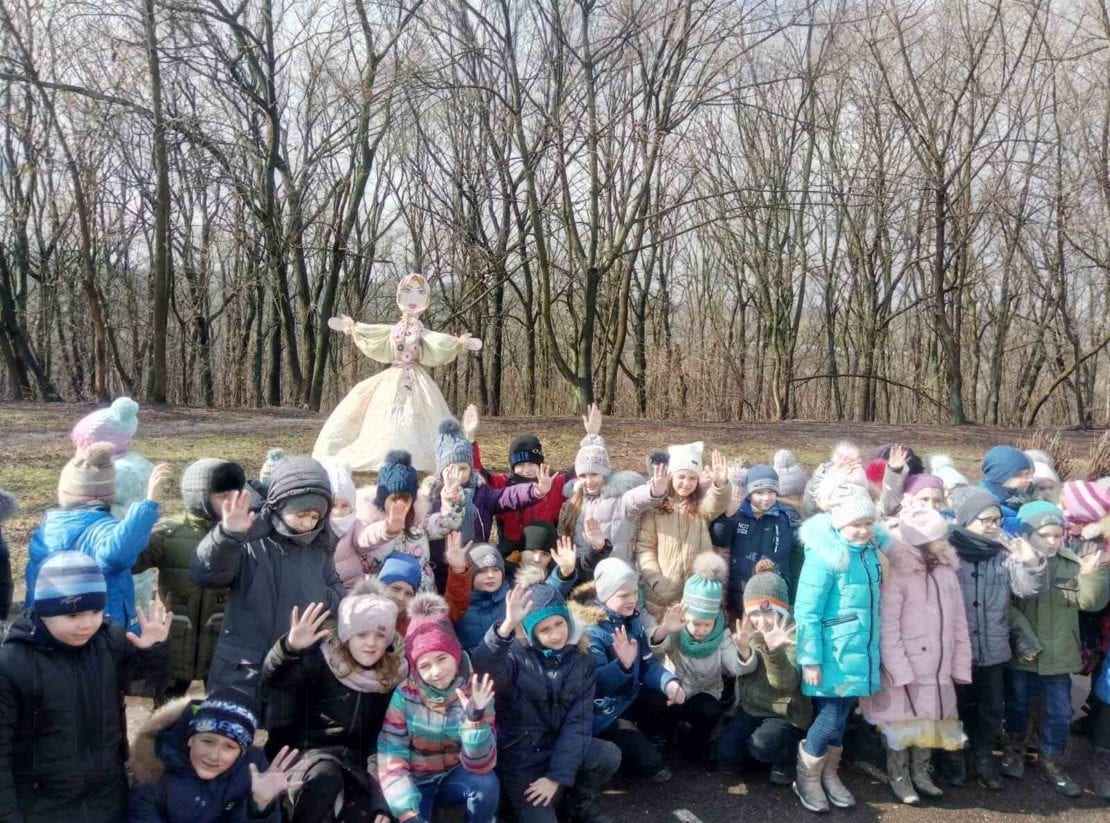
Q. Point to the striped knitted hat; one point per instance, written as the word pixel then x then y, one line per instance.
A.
pixel 705 588
pixel 766 590
pixel 225 718
pixel 1085 502
pixel 68 583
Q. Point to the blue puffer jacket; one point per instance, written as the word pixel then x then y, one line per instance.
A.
pixel 616 688
pixel 750 539
pixel 114 544
pixel 545 719
pixel 485 609
pixel 167 790
pixel 1007 503
pixel 837 609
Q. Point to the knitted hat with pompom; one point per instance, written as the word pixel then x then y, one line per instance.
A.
pixel 396 476
pixel 88 477
pixel 766 590
pixel 452 446
pixel 705 588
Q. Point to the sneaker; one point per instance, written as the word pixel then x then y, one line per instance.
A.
pixel 780 776
pixel 1054 770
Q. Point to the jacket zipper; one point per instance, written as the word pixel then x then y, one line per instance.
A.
pixel 940 662
pixel 871 621
pixel 980 601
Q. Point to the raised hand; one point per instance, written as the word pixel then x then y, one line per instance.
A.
pixel 565 556
pixel 719 468
pixel 543 481
pixel 811 675
pixel 268 785
pixel 161 473
pixel 743 637
pixel 235 513
pixel 470 422
pixel 899 454
pixel 452 483
pixel 594 534
pixel 1027 553
pixel 676 695
pixel 455 553
pixel 481 695
pixel 305 629
pixel 626 650
pixel 517 606
pixel 154 625
pixel 779 634
pixel 674 619
pixel 591 420
pixel 735 501
pixel 395 519
pixel 1091 563
pixel 660 480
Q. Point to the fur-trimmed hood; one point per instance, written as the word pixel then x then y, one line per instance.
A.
pixel 615 485
pixel 824 541
pixel 907 560
pixel 585 608
pixel 145 765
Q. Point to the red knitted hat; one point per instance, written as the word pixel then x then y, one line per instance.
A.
pixel 430 630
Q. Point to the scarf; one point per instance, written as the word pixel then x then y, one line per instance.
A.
pixel 299 538
pixel 972 547
pixel 700 649
pixel 367 681
pixel 470 511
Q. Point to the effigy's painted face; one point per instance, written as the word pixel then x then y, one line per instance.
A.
pixel 412 295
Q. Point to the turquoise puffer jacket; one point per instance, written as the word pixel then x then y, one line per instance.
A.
pixel 837 609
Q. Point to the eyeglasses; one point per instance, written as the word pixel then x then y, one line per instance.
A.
pixel 990 521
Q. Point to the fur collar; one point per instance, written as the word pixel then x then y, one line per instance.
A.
pixel 585 607
pixel 825 543
pixel 616 485
pixel 145 765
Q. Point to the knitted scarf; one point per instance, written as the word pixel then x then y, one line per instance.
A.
pixel 470 511
pixel 367 681
pixel 973 547
pixel 699 649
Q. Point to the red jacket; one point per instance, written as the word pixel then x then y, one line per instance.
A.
pixel 546 510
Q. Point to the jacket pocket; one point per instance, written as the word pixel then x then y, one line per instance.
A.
pixel 1065 592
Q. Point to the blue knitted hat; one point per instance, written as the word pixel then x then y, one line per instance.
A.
pixel 452 445
pixel 225 718
pixel 1005 462
pixel 761 478
pixel 396 476
pixel 1037 514
pixel 401 567
pixel 68 583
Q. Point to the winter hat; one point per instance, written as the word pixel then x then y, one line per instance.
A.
pixel 273 457
pixel 1037 514
pixel 848 508
pixel 525 448
pixel 225 718
pixel 430 630
pixel 546 602
pixel 761 478
pixel 968 502
pixel 738 473
pixel 1084 501
pixel 1003 463
pixel 89 476
pixel 875 471
pixel 1044 471
pixel 539 537
pixel 452 446
pixel 918 482
pixel 484 556
pixel 364 609
pixel 921 525
pixel 835 486
pixel 687 457
pixel 8 505
pixel 299 484
pixel 611 575
pixel 792 477
pixel 592 458
pixel 341 480
pixel 941 465
pixel 396 476
pixel 1038 456
pixel 705 588
pixel 68 583
pixel 401 567
pixel 205 477
pixel 116 425
pixel 914 465
pixel 766 590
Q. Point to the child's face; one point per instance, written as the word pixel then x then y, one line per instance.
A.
pixel 933 498
pixel 684 482
pixel 216 502
pixel 858 532
pixel 341 507
pixel 368 647
pixel 988 523
pixel 437 669
pixel 529 470
pixel 592 482
pixel 698 628
pixel 212 754
pixel 300 522
pixel 552 632
pixel 536 557
pixel 1047 539
pixel 623 602
pixel 398 505
pixel 1020 481
pixel 489 580
pixel 400 593
pixel 1046 490
pixel 74 629
pixel 763 500
pixel 463 470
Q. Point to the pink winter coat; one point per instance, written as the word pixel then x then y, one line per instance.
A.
pixel 924 642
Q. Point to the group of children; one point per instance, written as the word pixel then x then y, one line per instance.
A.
pixel 400 661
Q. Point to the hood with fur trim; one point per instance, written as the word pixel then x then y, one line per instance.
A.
pixel 616 484
pixel 820 537
pixel 585 608
pixel 145 765
pixel 907 560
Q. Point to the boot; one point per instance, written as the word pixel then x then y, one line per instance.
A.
pixel 1053 768
pixel 1013 759
pixel 898 770
pixel 807 781
pixel 780 775
pixel 837 792
pixel 1100 772
pixel 954 768
pixel 921 772
pixel 584 806
pixel 984 766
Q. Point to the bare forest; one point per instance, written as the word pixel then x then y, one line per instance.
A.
pixel 868 210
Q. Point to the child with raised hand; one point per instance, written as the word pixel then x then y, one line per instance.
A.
pixel 925 652
pixel 618 640
pixel 990 577
pixel 480 587
pixel 437 745
pixel 699 650
pixel 676 531
pixel 391 527
pixel 547 686
pixel 1078 584
pixel 341 675
pixel 64 668
pixel 1008 476
pixel 844 466
pixel 837 612
pixel 272 560
pixel 194 762
pixel 615 500
pixel 116 425
pixel 772 713
pixel 761 527
pixel 84 522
